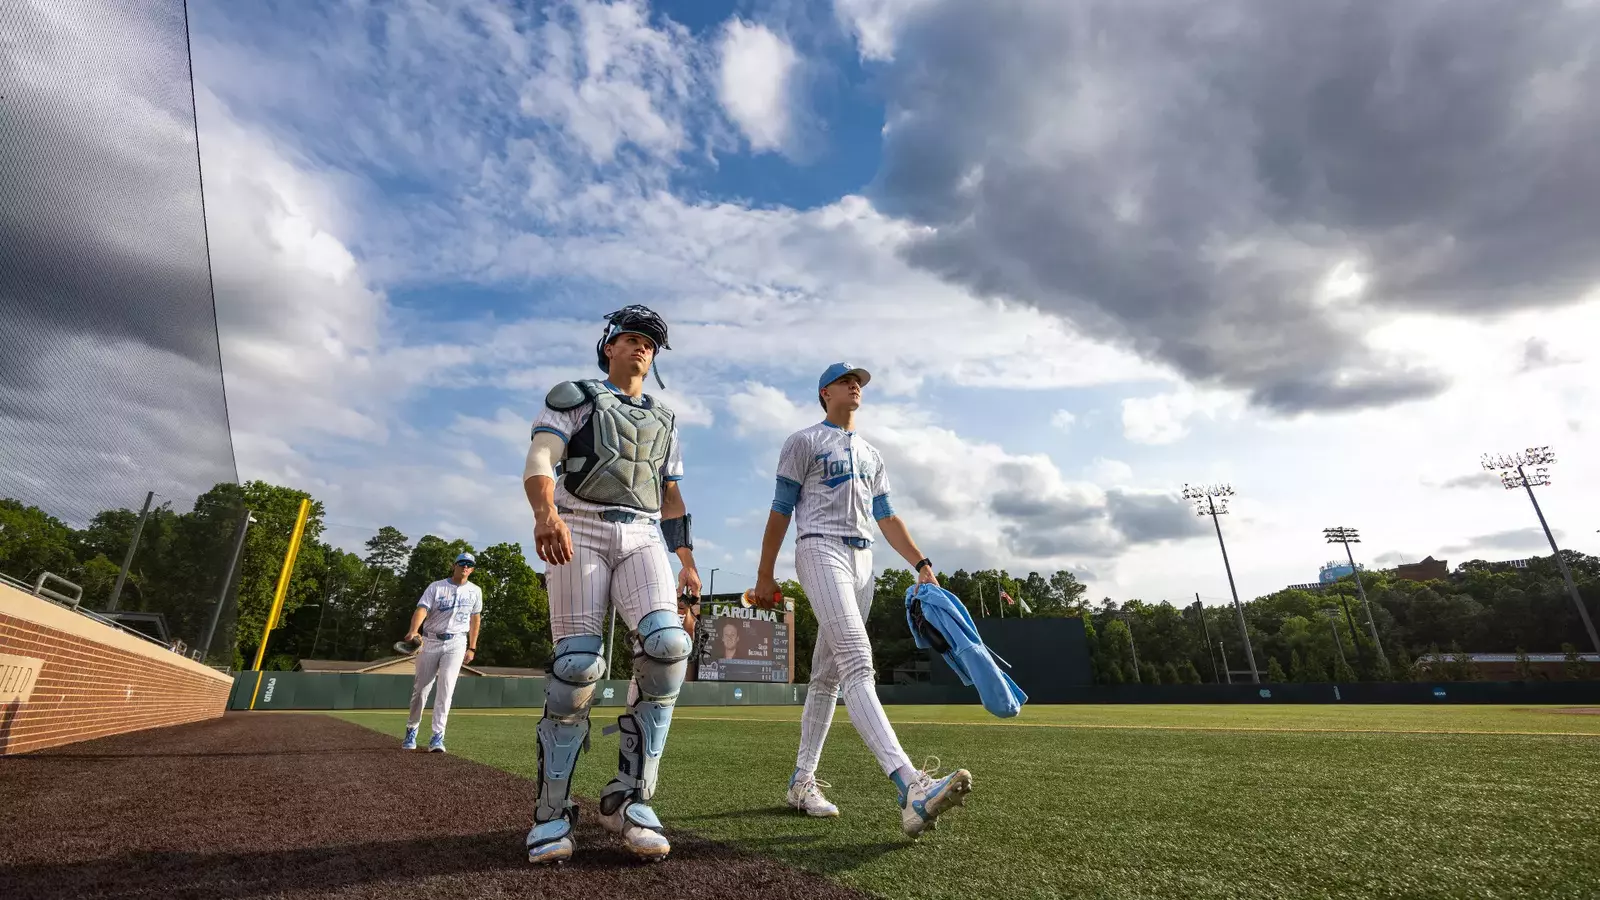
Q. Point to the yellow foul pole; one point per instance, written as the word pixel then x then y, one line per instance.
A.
pixel 281 593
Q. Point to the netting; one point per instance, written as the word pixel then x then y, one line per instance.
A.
pixel 110 369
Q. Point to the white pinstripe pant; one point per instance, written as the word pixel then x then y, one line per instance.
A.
pixel 838 580
pixel 612 562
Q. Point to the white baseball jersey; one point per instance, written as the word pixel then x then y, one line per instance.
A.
pixel 450 607
pixel 566 423
pixel 833 482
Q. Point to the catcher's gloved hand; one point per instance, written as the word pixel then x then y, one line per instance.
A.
pixel 406 648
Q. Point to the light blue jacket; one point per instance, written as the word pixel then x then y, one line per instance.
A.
pixel 966 652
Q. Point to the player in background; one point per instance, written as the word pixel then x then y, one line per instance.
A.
pixel 602 478
pixel 835 482
pixel 446 622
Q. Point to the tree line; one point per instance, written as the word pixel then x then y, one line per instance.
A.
pixel 353 606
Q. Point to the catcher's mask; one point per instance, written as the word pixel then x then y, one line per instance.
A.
pixel 637 320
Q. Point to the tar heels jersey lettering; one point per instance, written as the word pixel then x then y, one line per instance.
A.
pixel 450 607
pixel 837 480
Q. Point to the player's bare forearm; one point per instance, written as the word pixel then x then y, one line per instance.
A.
pixel 541 491
pixel 472 632
pixel 672 505
pixel 417 615
pixel 771 540
pixel 899 537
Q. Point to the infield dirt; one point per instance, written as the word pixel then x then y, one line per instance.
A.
pixel 300 806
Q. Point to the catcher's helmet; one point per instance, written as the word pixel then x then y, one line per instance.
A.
pixel 638 320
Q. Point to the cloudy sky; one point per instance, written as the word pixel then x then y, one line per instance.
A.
pixel 1327 252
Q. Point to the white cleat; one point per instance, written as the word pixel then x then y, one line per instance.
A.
pixel 928 797
pixel 805 794
pixel 640 830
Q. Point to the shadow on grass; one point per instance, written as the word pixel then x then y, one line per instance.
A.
pixel 801 850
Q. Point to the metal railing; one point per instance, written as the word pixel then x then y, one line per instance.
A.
pixel 74 603
pixel 39 590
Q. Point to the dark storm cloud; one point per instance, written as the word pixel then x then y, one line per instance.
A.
pixel 110 380
pixel 1182 177
pixel 1146 518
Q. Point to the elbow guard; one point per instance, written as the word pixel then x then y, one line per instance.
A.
pixel 676 533
pixel 543 453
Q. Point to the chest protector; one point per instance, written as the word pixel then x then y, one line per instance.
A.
pixel 616 458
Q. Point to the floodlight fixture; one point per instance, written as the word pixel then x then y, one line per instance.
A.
pixel 1347 536
pixel 1513 469
pixel 1212 500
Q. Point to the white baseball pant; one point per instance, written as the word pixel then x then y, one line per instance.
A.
pixel 612 562
pixel 438 664
pixel 839 582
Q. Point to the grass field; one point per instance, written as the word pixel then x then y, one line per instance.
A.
pixel 1142 801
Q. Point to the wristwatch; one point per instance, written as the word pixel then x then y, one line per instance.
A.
pixel 924 562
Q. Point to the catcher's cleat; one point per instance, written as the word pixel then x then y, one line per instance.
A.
pixel 551 842
pixel 635 821
pixel 805 794
pixel 926 798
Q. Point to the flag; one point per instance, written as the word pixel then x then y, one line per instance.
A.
pixel 1025 607
pixel 1007 598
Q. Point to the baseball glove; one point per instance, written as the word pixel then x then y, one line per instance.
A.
pixel 406 648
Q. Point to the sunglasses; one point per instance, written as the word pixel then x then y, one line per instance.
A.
pixel 463 565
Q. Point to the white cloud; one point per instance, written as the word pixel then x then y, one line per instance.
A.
pixel 755 82
pixel 1112 472
pixel 1164 418
pixel 874 23
pixel 973 503
pixel 1063 420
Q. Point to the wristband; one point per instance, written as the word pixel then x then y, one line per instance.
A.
pixel 924 562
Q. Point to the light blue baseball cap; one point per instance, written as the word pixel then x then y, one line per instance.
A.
pixel 467 558
pixel 839 370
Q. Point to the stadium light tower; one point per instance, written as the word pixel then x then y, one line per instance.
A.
pixel 1348 536
pixel 1513 471
pixel 1206 503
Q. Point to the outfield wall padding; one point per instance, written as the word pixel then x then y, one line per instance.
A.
pixel 307 690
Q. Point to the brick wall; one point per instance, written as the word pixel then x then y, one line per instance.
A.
pixel 65 677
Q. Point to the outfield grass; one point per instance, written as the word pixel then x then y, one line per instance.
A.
pixel 1143 801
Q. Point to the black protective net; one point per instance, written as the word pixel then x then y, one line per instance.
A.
pixel 110 369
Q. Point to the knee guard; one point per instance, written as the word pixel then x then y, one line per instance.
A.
pixel 659 664
pixel 564 728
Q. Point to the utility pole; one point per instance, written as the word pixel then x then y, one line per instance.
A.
pixel 1333 616
pixel 1206 629
pixel 1541 458
pixel 227 581
pixel 1348 536
pixel 1138 677
pixel 1205 499
pixel 127 558
pixel 1227 671
pixel 711 586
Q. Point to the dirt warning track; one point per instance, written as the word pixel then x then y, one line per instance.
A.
pixel 274 805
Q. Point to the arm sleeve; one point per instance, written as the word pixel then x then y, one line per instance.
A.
pixel 544 451
pixel 881 507
pixel 672 470
pixel 426 602
pixel 477 603
pixel 791 475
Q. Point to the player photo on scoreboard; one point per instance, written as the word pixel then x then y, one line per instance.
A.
pixel 742 645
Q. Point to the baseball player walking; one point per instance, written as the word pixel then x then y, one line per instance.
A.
pixel 446 622
pixel 836 483
pixel 602 477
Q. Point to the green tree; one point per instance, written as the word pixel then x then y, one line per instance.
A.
pixel 892 644
pixel 1573 667
pixel 32 541
pixel 1342 673
pixel 1149 672
pixel 1189 674
pixel 1274 670
pixel 516 610
pixel 805 630
pixel 1169 674
pixel 266 544
pixel 1524 665
pixel 1297 667
pixel 1461 666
